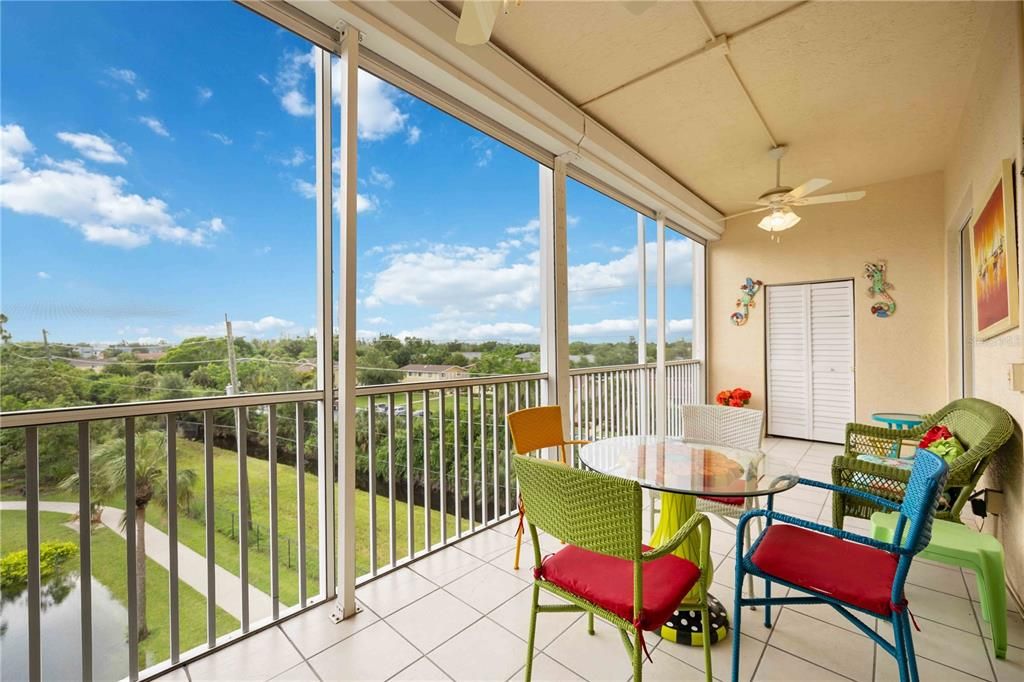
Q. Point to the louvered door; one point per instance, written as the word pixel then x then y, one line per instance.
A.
pixel 789 380
pixel 810 360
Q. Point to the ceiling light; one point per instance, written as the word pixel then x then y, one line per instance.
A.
pixel 779 219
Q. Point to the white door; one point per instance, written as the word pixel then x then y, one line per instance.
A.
pixel 810 360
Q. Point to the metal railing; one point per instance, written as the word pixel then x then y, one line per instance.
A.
pixel 435 461
pixel 433 465
pixel 620 400
pixel 192 562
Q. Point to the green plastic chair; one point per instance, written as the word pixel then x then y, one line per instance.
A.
pixel 982 428
pixel 600 518
pixel 957 545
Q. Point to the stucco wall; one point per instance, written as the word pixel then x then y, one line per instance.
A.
pixel 990 130
pixel 900 361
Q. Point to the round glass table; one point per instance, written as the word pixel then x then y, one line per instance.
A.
pixel 684 470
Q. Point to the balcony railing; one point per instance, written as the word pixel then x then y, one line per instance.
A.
pixel 433 465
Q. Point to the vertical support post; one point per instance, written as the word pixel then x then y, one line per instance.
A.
pixel 272 466
pixel 85 547
pixel 554 287
pixel 211 527
pixel 349 86
pixel 325 324
pixel 32 538
pixel 172 535
pixel 641 337
pixel 660 383
pixel 700 328
pixel 244 518
pixel 300 497
pixel 130 545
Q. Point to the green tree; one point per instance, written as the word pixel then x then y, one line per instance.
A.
pixel 109 467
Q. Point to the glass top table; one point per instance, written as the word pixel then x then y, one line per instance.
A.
pixel 675 465
pixel 682 469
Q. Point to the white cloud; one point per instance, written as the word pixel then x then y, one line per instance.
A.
pixel 413 135
pixel 129 77
pixel 380 178
pixel 220 137
pixel 43 275
pixel 306 189
pixel 215 225
pixel 92 147
pixel 297 158
pixel 263 79
pixel 379 113
pixel 263 327
pixel 96 204
pixel 364 203
pixel 466 330
pixel 154 124
pixel 377 321
pixel 624 327
pixel 528 233
pixel 204 94
pixel 14 145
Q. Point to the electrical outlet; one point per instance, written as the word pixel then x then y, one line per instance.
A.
pixel 994 501
pixel 1017 376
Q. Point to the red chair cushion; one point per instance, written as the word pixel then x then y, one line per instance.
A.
pixel 608 582
pixel 733 501
pixel 848 571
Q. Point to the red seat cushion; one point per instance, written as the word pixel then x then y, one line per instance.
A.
pixel 733 501
pixel 608 582
pixel 844 570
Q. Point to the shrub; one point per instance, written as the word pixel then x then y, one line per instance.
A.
pixel 14 565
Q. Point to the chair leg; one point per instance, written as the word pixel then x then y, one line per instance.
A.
pixel 908 645
pixel 901 651
pixel 533 631
pixel 519 544
pixel 750 578
pixel 767 607
pixel 737 612
pixel 590 623
pixel 706 632
pixel 991 588
pixel 638 657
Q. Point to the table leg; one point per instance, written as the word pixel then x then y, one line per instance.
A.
pixel 684 627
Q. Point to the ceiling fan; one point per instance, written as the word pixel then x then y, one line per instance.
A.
pixel 479 16
pixel 780 199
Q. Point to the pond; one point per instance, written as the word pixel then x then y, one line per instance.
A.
pixel 61 627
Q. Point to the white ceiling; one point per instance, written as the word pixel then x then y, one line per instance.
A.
pixel 862 92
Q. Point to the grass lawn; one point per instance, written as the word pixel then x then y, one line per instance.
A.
pixel 110 568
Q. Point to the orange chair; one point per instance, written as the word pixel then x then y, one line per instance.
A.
pixel 534 429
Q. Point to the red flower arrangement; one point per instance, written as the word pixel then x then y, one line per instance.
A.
pixel 737 397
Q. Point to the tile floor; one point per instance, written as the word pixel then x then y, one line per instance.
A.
pixel 462 614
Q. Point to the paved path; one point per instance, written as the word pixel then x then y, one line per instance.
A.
pixel 191 564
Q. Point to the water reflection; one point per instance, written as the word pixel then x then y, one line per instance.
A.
pixel 60 626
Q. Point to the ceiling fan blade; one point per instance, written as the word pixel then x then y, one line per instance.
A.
pixel 831 198
pixel 638 7
pixel 736 215
pixel 477 21
pixel 812 185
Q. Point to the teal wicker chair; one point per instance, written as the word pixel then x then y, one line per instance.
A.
pixel 605 570
pixel 982 428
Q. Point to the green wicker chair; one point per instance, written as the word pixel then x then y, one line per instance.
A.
pixel 982 428
pixel 602 568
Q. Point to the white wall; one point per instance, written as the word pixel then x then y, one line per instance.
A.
pixel 900 361
pixel 990 130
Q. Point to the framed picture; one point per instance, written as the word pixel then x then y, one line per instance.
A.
pixel 994 258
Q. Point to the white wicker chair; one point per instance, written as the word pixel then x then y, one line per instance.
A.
pixel 739 427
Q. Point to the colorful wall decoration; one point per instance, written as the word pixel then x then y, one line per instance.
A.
pixel 875 273
pixel 746 301
pixel 994 258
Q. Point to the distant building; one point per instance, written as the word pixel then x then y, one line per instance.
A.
pixel 306 366
pixel 433 372
pixel 470 354
pixel 150 355
pixel 528 356
pixel 94 363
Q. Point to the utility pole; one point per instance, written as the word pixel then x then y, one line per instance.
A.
pixel 232 366
pixel 46 347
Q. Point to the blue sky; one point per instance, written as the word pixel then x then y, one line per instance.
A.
pixel 157 163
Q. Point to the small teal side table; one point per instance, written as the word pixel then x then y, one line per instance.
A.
pixel 899 421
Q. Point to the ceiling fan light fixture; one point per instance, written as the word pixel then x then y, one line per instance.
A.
pixel 779 219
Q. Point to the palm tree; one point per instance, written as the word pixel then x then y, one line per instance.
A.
pixel 108 471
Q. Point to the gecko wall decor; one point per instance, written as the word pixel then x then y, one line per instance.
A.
pixel 746 301
pixel 875 273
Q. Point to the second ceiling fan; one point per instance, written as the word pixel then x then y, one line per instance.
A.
pixel 780 199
